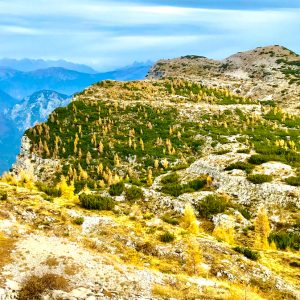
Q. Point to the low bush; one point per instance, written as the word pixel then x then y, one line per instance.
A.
pixel 167 237
pixel 34 287
pixel 259 178
pixel 295 181
pixel 134 193
pixel 48 190
pixel 176 189
pixel 168 218
pixel 146 248
pixel 240 165
pixel 116 189
pixel 78 220
pixel 3 195
pixel 253 255
pixel 246 150
pixel 295 264
pixel 93 201
pixel 244 212
pixel 284 240
pixel 170 178
pixel 211 205
pixel 257 159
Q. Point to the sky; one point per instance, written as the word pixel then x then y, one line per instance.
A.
pixel 110 33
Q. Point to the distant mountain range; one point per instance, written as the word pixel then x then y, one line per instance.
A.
pixel 36 108
pixel 19 84
pixel 6 101
pixel 29 97
pixel 29 65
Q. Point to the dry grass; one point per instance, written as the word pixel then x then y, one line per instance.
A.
pixel 51 262
pixel 6 246
pixel 71 269
pixel 34 287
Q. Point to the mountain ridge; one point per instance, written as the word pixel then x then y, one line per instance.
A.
pixel 28 65
pixel 265 73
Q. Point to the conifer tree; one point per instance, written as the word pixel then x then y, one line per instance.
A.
pixel 149 177
pixel 193 257
pixel 224 233
pixel 262 230
pixel 116 160
pixel 67 191
pixel 189 220
pixel 88 157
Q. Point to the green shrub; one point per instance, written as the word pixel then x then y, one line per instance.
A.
pixel 295 264
pixel 167 237
pixel 134 193
pixel 168 218
pixel 197 184
pixel 223 151
pixel 244 212
pixel 246 150
pixel 240 165
pixel 78 220
pixel 284 240
pixel 116 189
pixel 176 189
pixel 257 159
pixel 93 201
pixel 211 205
pixel 295 181
pixel 259 178
pixel 3 195
pixel 170 178
pixel 48 190
pixel 253 255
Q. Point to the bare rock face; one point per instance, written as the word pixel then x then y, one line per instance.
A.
pixel 33 165
pixel 265 73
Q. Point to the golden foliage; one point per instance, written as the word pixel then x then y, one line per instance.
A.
pixel 189 220
pixel 262 230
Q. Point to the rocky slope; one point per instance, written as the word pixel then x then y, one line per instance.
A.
pixel 265 73
pixel 168 187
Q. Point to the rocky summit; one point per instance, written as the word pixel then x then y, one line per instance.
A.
pixel 185 185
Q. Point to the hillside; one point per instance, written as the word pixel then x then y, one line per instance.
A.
pixel 38 93
pixel 136 155
pixel 265 73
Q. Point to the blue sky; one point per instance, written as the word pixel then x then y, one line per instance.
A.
pixel 108 34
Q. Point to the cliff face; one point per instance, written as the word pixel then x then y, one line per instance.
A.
pixel 38 168
pixel 265 73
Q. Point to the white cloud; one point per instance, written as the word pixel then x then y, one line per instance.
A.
pixel 116 33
